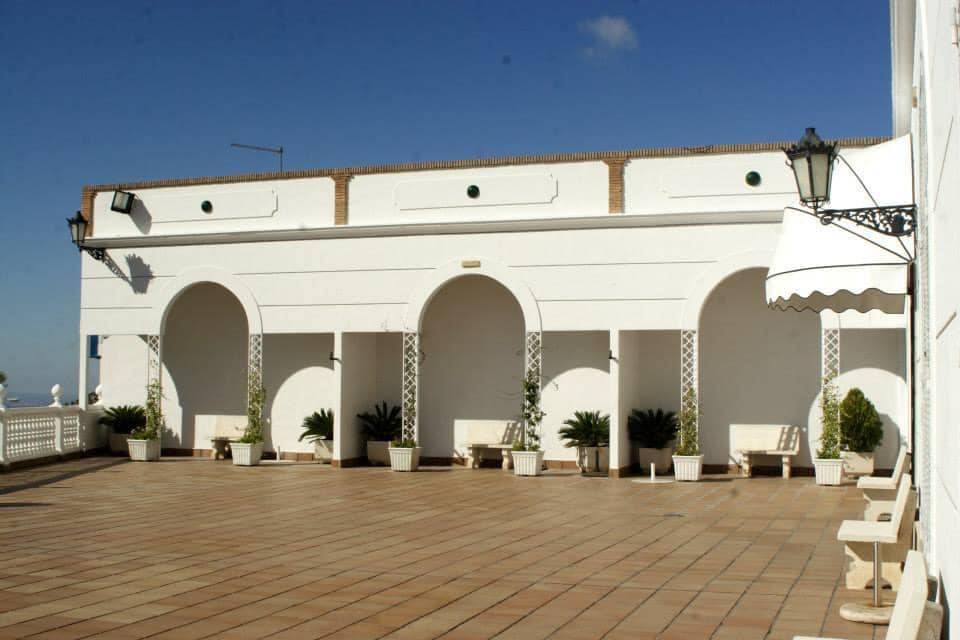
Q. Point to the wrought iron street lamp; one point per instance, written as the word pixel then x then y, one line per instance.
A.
pixel 812 161
pixel 78 233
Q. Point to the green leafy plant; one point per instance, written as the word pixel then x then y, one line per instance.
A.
pixel 830 420
pixel 689 419
pixel 652 429
pixel 256 395
pixel 861 428
pixel 124 419
pixel 404 443
pixel 317 426
pixel 530 414
pixel 383 424
pixel 154 422
pixel 3 378
pixel 586 429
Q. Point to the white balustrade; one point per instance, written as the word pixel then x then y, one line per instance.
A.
pixel 38 432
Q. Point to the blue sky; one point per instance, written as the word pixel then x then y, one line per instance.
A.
pixel 119 91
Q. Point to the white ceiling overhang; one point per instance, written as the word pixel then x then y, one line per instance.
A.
pixel 844 266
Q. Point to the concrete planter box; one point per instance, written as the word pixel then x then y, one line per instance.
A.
pixel 246 454
pixel 143 450
pixel 118 442
pixel 527 463
pixel 660 457
pixel 593 459
pixel 377 452
pixel 688 468
pixel 323 450
pixel 829 471
pixel 404 458
pixel 857 463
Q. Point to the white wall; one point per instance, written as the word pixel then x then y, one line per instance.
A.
pixel 472 344
pixel 299 378
pixel 358 362
pixel 576 377
pixel 123 370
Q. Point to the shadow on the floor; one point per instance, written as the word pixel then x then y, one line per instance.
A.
pixel 57 477
pixel 11 505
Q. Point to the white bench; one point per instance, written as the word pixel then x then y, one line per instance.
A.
pixel 765 439
pixel 913 617
pixel 868 541
pixel 226 429
pixel 880 493
pixel 480 437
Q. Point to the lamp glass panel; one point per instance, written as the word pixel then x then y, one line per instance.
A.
pixel 121 200
pixel 801 168
pixel 820 171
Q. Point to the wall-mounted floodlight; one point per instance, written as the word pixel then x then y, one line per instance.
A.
pixel 122 201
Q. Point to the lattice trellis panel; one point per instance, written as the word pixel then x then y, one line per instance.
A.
pixel 689 373
pixel 533 362
pixel 830 353
pixel 410 383
pixel 254 363
pixel 154 361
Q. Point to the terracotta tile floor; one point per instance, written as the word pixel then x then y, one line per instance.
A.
pixel 189 548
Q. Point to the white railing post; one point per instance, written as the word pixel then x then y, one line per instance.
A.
pixel 3 425
pixel 57 393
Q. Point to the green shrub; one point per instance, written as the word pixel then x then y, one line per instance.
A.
pixel 124 419
pixel 404 443
pixel 317 426
pixel 652 429
pixel 861 428
pixel 830 419
pixel 586 429
pixel 689 433
pixel 256 396
pixel 383 424
pixel 154 422
pixel 531 415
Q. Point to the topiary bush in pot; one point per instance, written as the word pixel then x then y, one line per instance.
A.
pixel 861 432
pixel 655 433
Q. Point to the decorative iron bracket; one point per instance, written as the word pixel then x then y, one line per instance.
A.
pixel 897 221
pixel 97 254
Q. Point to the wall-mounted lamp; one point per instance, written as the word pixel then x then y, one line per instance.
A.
pixel 78 234
pixel 122 202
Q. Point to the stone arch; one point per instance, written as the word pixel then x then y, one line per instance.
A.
pixel 715 275
pixel 186 279
pixel 437 279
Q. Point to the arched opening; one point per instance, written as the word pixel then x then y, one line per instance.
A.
pixel 757 365
pixel 472 359
pixel 205 340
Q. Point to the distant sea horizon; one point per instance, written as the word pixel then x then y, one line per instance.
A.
pixel 34 399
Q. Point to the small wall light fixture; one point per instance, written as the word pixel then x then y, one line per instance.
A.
pixel 752 178
pixel 78 235
pixel 206 206
pixel 473 191
pixel 122 202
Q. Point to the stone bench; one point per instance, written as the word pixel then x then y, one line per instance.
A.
pixel 225 429
pixel 484 437
pixel 881 493
pixel 765 439
pixel 913 617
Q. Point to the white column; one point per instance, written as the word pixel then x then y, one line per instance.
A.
pixel 617 442
pixel 82 373
pixel 3 425
pixel 337 363
pixel 57 393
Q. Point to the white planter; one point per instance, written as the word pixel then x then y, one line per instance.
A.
pixel 527 463
pixel 323 450
pixel 246 454
pixel 404 458
pixel 659 457
pixel 143 450
pixel 118 442
pixel 688 468
pixel 587 459
pixel 857 463
pixel 377 452
pixel 829 471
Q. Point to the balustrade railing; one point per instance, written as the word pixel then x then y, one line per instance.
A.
pixel 28 433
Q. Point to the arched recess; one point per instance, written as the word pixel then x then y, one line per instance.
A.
pixel 413 320
pixel 711 277
pixel 189 277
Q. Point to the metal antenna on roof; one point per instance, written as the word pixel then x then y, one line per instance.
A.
pixel 278 151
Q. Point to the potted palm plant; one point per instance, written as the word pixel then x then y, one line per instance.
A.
pixel 861 432
pixel 655 432
pixel 143 444
pixel 828 466
pixel 589 432
pixel 121 421
pixel 688 461
pixel 318 430
pixel 527 454
pixel 247 451
pixel 380 428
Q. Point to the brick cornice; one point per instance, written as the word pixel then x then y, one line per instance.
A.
pixel 341 197
pixel 615 183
